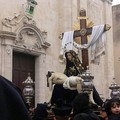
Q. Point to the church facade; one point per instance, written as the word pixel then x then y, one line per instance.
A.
pixel 116 36
pixel 29 36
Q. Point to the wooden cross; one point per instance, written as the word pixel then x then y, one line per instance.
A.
pixel 83 33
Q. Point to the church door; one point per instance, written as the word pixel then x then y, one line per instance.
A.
pixel 22 65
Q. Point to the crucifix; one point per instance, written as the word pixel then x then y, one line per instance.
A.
pixel 83 33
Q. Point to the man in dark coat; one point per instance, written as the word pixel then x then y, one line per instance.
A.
pixel 40 112
pixel 81 108
pixel 12 105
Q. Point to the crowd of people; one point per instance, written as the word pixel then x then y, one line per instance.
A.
pixel 66 104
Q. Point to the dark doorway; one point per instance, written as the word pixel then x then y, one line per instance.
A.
pixel 22 65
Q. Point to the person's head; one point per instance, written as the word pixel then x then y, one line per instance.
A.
pixel 40 112
pixel 70 55
pixel 80 103
pixel 113 106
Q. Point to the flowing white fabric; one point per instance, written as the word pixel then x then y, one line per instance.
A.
pixel 97 42
pixel 67 42
pixel 97 32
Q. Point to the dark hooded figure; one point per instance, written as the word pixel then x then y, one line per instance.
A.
pixel 73 64
pixel 40 112
pixel 12 105
pixel 112 108
pixel 73 68
pixel 83 116
pixel 81 109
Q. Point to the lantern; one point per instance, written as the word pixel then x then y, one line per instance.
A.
pixel 115 92
pixel 87 84
pixel 28 91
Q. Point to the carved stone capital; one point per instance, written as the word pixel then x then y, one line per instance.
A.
pixel 6 34
pixel 11 24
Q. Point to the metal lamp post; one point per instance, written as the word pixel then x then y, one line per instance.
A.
pixel 28 91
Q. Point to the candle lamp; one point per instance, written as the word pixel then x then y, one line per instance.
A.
pixel 28 91
pixel 87 84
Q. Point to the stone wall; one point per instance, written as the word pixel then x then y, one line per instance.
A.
pixel 116 36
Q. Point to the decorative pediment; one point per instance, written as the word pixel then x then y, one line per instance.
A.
pixel 12 24
pixel 28 35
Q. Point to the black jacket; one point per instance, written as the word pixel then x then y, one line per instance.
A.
pixel 114 117
pixel 12 105
pixel 86 116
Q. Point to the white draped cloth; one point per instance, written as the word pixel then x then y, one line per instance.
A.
pixel 97 33
pixel 67 42
pixel 96 42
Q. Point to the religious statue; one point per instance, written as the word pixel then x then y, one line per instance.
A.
pixel 83 32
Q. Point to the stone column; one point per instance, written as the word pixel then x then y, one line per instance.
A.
pixel 109 46
pixel 6 40
pixel 40 79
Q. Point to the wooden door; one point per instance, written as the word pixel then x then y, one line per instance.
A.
pixel 22 65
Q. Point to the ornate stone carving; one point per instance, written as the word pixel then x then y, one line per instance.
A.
pixel 5 34
pixel 8 49
pixel 25 17
pixel 28 39
pixel 44 35
pixel 15 22
pixel 109 1
pixel 28 36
